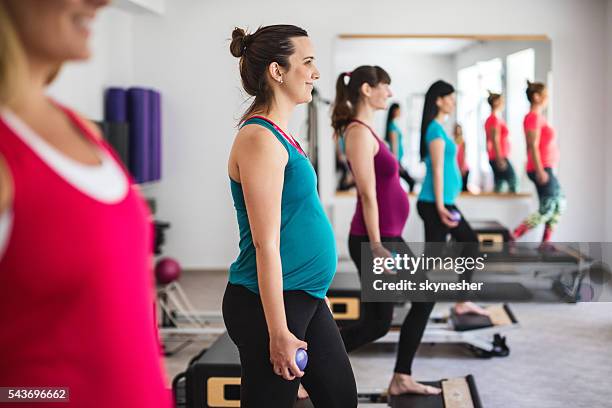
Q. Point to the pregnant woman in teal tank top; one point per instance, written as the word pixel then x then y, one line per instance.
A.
pixel 274 302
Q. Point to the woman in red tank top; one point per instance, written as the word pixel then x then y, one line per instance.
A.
pixel 542 160
pixel 75 237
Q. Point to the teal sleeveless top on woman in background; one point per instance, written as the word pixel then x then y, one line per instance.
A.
pixel 451 173
pixel 307 242
pixel 400 143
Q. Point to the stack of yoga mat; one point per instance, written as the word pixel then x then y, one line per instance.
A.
pixel 132 125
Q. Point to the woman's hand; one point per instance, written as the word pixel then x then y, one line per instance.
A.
pixel 542 177
pixel 283 347
pixel 379 251
pixel 447 218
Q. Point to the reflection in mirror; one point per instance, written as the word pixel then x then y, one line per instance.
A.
pixel 480 69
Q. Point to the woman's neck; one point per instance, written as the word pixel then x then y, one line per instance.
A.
pixel 32 96
pixel 536 108
pixel 441 117
pixel 365 114
pixel 279 112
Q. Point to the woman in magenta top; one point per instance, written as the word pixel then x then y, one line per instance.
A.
pixel 498 145
pixel 542 159
pixel 75 237
pixel 380 215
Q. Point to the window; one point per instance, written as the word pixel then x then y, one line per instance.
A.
pixel 520 67
pixel 473 82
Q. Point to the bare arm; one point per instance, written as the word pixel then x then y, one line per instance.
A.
pixel 436 150
pixel 533 142
pixel 495 136
pixel 261 161
pixel 6 186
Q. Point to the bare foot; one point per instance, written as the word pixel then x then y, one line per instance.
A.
pixel 302 394
pixel 547 247
pixel 470 308
pixel 405 384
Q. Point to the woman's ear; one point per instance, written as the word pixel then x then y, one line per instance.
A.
pixel 537 98
pixel 439 101
pixel 275 72
pixel 366 89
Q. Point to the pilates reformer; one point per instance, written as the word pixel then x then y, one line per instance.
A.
pixel 212 379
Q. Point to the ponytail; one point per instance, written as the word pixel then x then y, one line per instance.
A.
pixel 342 112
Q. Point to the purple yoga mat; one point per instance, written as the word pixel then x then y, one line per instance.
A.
pixel 139 116
pixel 155 162
pixel 115 105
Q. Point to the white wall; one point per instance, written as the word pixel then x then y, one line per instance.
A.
pixel 185 54
pixel 81 84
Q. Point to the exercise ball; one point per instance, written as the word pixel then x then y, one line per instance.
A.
pixel 167 270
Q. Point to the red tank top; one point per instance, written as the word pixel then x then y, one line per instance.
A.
pixel 76 281
pixel 549 151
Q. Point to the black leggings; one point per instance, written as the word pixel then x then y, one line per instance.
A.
pixel 328 378
pixel 504 176
pixel 436 231
pixel 464 178
pixel 403 173
pixel 376 317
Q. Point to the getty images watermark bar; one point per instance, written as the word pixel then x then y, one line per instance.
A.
pixel 487 272
pixel 34 394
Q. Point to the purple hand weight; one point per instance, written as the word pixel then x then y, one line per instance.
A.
pixel 455 215
pixel 301 358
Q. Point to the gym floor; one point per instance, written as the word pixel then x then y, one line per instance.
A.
pixel 559 354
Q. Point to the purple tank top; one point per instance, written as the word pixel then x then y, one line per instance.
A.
pixel 393 204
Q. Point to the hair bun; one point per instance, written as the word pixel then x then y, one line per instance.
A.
pixel 238 45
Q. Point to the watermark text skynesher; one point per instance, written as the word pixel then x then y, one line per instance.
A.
pixel 406 285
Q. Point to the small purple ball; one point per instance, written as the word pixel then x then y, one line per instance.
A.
pixel 301 358
pixel 455 215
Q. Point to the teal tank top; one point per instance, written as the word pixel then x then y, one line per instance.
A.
pixel 307 242
pixel 400 143
pixel 452 175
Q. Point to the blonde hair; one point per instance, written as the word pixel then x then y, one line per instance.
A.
pixel 12 58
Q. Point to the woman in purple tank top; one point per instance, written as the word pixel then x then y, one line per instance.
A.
pixel 380 216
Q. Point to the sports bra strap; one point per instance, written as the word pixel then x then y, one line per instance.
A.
pixel 287 137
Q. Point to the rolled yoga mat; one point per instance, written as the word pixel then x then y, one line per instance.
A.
pixel 115 105
pixel 155 158
pixel 139 116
